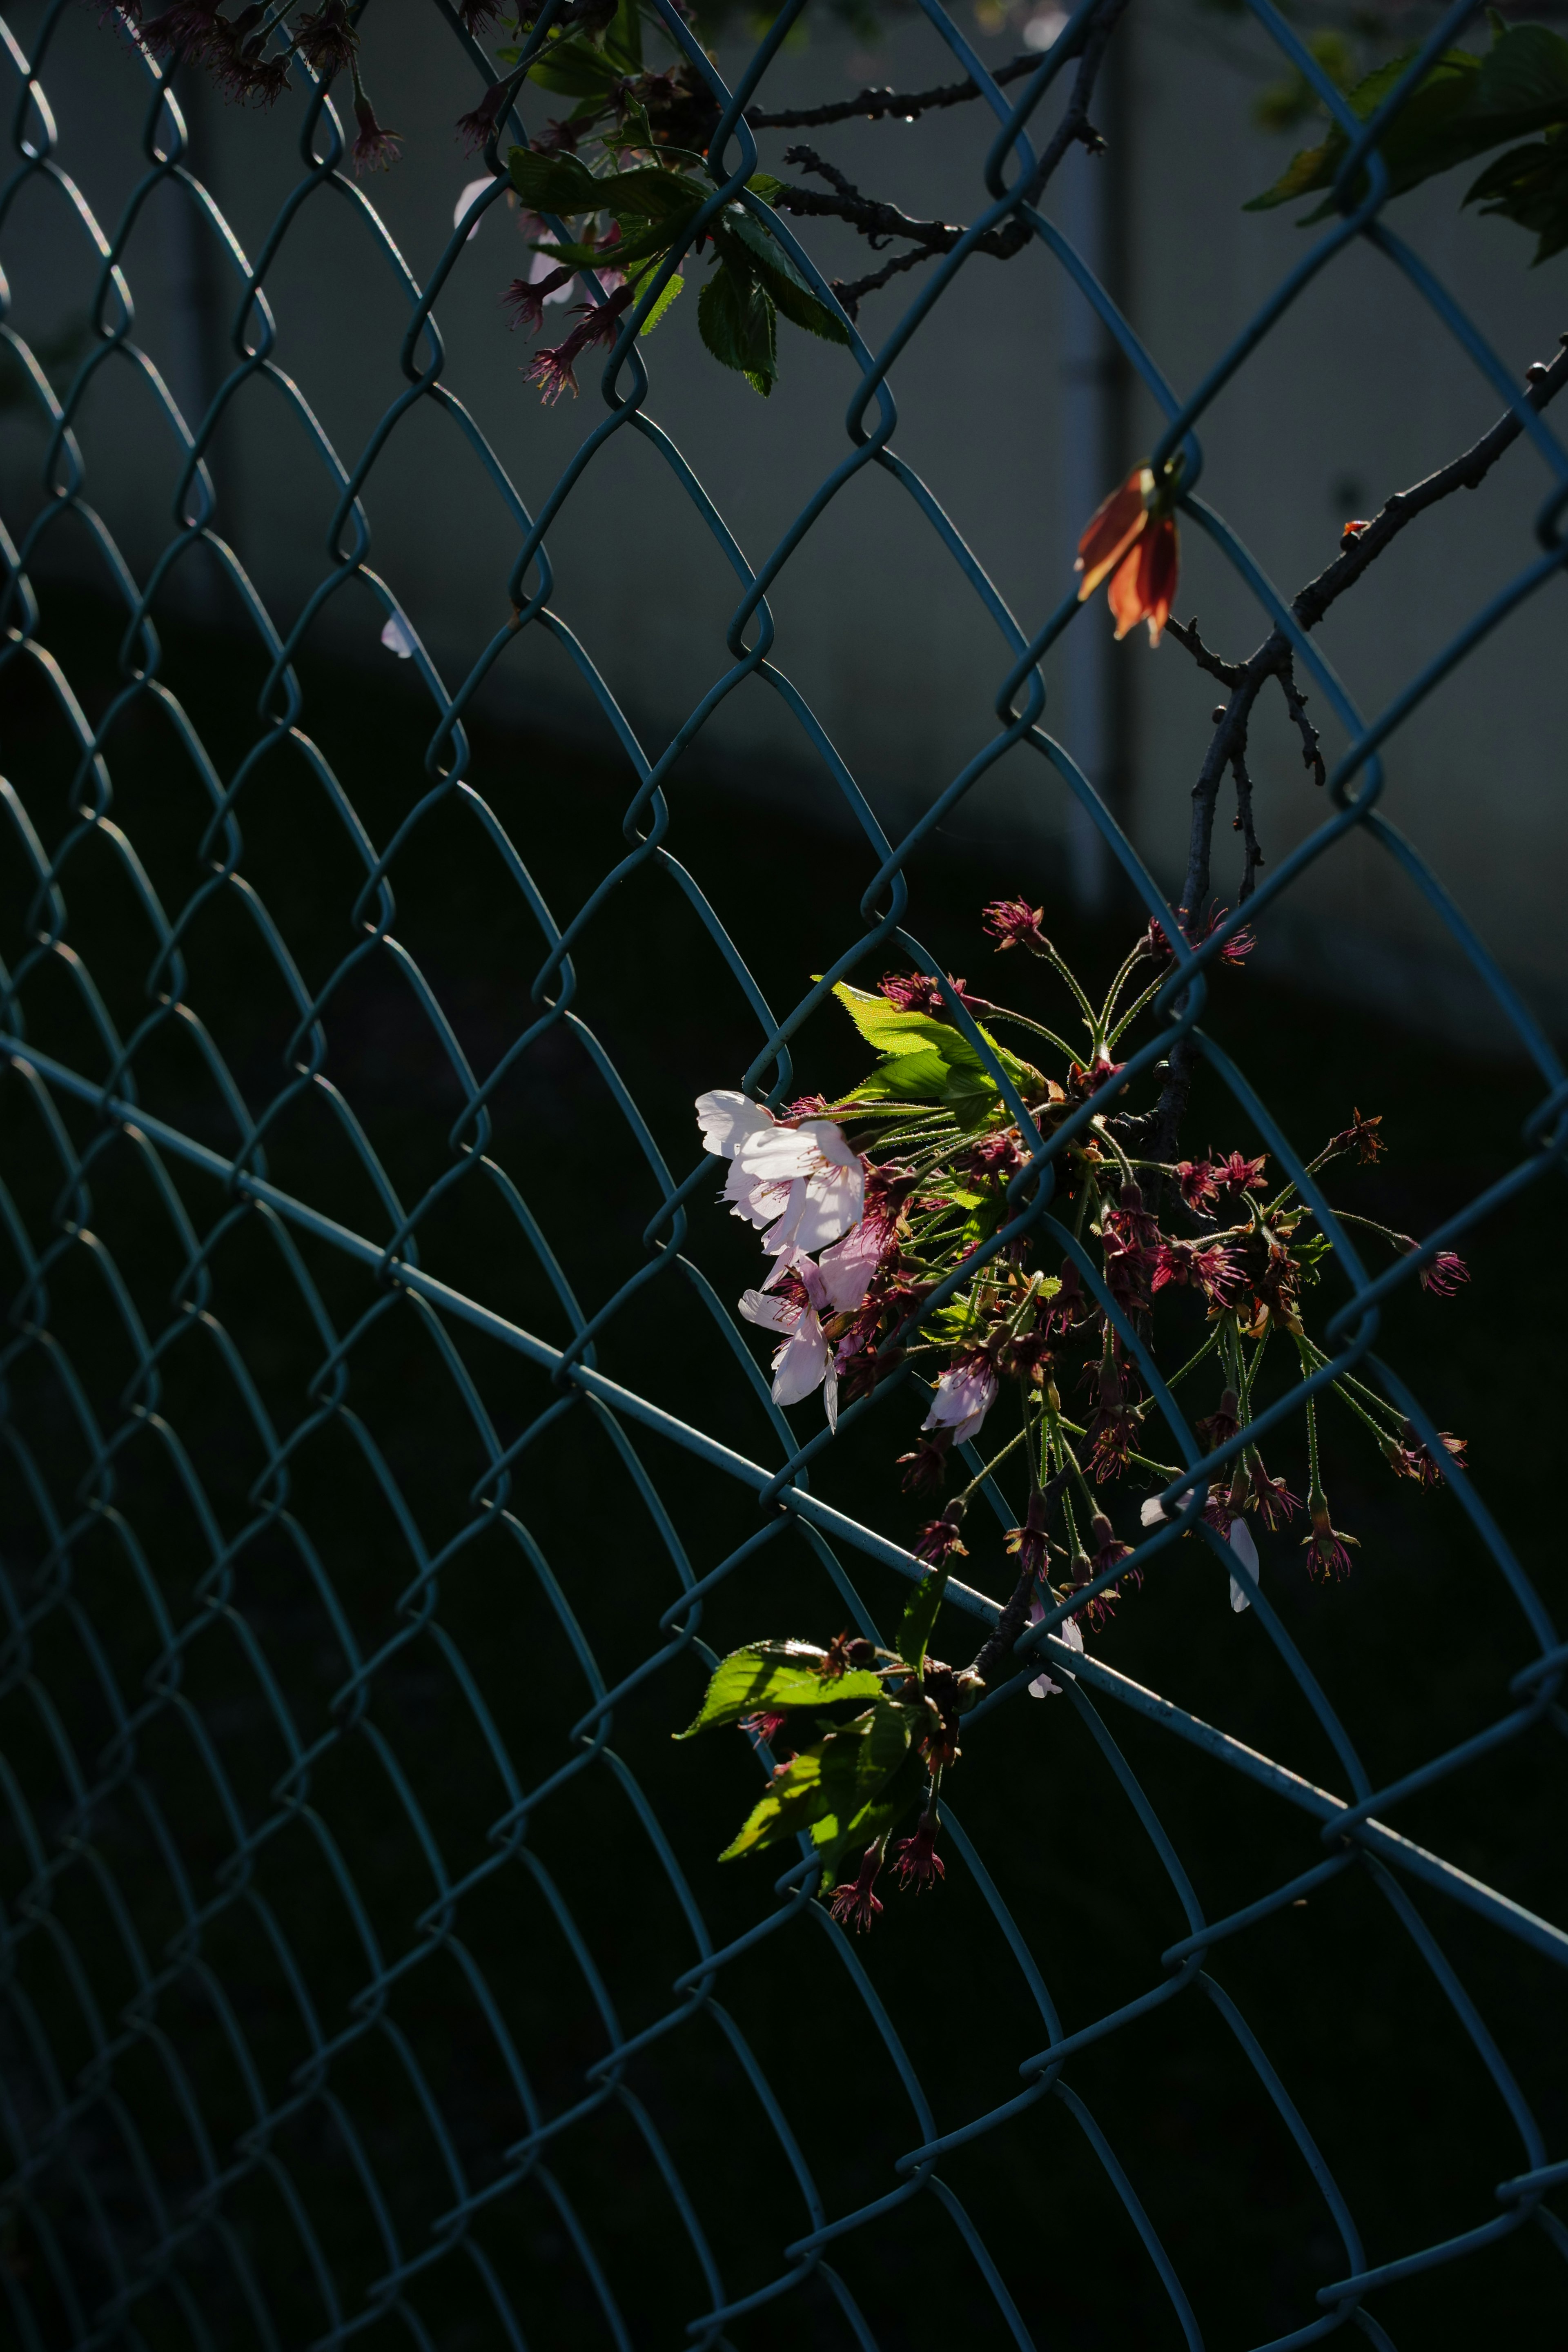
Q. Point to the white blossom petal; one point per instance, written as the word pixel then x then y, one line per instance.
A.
pixel 821 1209
pixel 1066 1633
pixel 1154 1512
pixel 751 1198
pixel 788 1261
pixel 727 1117
pixel 772 1314
pixel 847 1267
pixel 1245 1550
pixel 801 1363
pixel 778 1153
pixel 832 1143
pixel 397 639
pixel 964 1395
pixel 541 265
pixel 472 188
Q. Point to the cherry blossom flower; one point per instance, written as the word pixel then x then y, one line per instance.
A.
pixel 825 1181
pixel 1270 1498
pixel 918 1863
pixel 1195 1181
pixel 1241 1176
pixel 1029 1544
pixel 1043 1686
pixel 852 1902
pixel 1327 1555
pixel 1445 1274
pixel 376 149
pixel 1236 951
pixel 759 1198
pixel 964 1395
pixel 475 128
pixel 1360 1137
pixel 939 1539
pixel 805 1292
pixel 1013 923
pixel 916 991
pixel 1132 538
pixel 927 1465
pixel 397 639
pixel 1408 1458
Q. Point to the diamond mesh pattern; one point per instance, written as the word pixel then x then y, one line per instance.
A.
pixel 351 1597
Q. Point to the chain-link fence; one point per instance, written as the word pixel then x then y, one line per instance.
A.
pixel 383 1473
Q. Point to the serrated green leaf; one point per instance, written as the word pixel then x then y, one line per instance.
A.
pixel 784 281
pixel 894 1031
pixel 735 317
pixel 772 1678
pixel 552 184
pixel 563 184
pixel 826 1787
pixel 674 287
pixel 1464 105
pixel 763 184
pixel 1529 185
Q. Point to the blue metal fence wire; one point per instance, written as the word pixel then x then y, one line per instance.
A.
pixel 121 2250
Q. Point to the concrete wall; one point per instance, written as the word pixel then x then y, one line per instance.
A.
pixel 1362 390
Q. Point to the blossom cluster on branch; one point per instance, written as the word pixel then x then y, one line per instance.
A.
pixel 878 1213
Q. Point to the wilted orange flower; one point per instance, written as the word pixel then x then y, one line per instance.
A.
pixel 1133 537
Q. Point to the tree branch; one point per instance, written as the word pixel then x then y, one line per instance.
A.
pixel 1273 658
pixel 875 105
pixel 878 222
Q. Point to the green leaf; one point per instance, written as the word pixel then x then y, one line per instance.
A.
pixel 763 184
pixel 826 1789
pixel 885 1812
pixel 893 1031
pixel 552 184
pixel 674 287
pixel 563 184
pixel 574 68
pixel 1529 185
pixel 623 42
pixel 645 247
pixel 1525 73
pixel 735 315
pixel 784 282
pixel 1463 105
pixel 770 1677
pixel 1418 133
pixel 920 1617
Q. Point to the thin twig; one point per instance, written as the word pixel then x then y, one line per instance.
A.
pixel 1295 704
pixel 1186 633
pixel 1254 856
pixel 874 105
pixel 878 222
